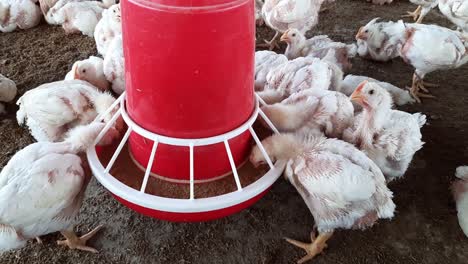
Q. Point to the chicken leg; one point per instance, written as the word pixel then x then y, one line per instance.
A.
pixel 74 242
pixel 419 84
pixel 272 44
pixel 415 14
pixel 313 249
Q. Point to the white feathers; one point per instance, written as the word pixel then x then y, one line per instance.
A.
pixel 108 28
pixel 281 15
pixel 42 188
pixel 90 70
pixel 399 96
pixel 265 61
pixel 456 11
pixel 389 137
pixel 339 184
pixel 23 14
pixel 52 109
pixel 297 75
pixel 74 15
pixel 114 65
pixel 313 111
pixel 318 47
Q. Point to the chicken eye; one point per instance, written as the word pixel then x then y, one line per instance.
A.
pixel 371 92
pixel 294 34
pixel 84 71
pixel 366 31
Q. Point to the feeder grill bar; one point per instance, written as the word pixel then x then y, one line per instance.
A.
pixel 233 165
pixel 107 127
pixel 262 149
pixel 192 180
pixel 149 166
pixel 118 150
pixel 268 121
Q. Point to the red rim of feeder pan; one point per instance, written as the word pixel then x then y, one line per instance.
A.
pixel 191 209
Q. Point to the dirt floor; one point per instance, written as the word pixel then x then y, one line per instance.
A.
pixel 425 229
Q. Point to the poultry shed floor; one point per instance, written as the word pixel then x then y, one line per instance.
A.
pixel 424 230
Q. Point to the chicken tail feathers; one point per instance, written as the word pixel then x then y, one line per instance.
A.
pixel 421 119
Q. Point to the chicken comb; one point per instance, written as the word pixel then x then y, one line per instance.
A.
pixel 361 86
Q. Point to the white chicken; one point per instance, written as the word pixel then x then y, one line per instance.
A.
pixel 280 15
pixel 109 27
pixel 321 112
pixel 265 61
pixel 42 188
pixel 340 185
pixel 456 11
pixel 8 92
pixel 300 74
pixel 399 96
pixel 90 70
pixel 76 17
pixel 389 137
pixel 424 7
pixel 318 46
pixel 426 47
pixel 23 14
pixel 460 193
pixel 47 5
pixel 52 109
pixel 374 40
pixel 114 65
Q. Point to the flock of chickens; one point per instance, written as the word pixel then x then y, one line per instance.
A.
pixel 42 187
pixel 341 136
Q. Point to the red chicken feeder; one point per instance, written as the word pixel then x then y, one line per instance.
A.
pixel 189 105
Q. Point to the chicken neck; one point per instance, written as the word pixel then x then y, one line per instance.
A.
pixel 372 122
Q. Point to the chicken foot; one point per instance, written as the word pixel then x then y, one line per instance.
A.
pixel 75 242
pixel 419 84
pixel 415 14
pixel 272 44
pixel 317 245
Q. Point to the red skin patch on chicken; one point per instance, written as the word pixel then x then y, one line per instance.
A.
pixel 89 104
pixel 51 176
pixel 367 220
pixel 6 19
pixel 409 42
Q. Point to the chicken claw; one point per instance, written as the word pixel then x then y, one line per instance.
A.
pixel 415 14
pixel 419 84
pixel 317 245
pixel 74 242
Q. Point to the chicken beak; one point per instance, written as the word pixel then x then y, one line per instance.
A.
pixel 76 74
pixel 285 37
pixel 360 34
pixel 357 95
